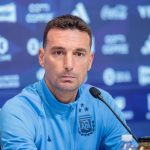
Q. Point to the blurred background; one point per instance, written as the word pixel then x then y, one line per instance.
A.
pixel 121 43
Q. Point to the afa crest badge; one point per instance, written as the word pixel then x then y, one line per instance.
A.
pixel 86 125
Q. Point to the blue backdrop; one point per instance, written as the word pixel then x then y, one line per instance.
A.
pixel 121 43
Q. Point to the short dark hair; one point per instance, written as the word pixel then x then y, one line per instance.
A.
pixel 67 22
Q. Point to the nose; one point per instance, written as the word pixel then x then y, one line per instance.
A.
pixel 68 62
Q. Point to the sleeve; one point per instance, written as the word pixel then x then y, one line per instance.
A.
pixel 113 128
pixel 17 129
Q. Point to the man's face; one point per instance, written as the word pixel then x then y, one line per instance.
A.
pixel 66 59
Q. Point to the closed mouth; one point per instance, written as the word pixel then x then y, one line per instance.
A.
pixel 66 76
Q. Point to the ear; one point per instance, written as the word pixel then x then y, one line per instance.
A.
pixel 41 57
pixel 90 61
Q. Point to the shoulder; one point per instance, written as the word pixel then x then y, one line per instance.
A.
pixel 27 100
pixel 19 119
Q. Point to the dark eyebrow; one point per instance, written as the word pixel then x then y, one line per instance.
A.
pixel 57 48
pixel 62 48
pixel 81 50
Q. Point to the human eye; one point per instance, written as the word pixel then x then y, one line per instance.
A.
pixel 58 52
pixel 80 54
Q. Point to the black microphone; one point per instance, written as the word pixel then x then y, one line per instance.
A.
pixel 97 94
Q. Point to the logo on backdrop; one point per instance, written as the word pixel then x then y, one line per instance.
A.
pixel 115 44
pixel 118 12
pixel 145 50
pixel 40 73
pixel 110 76
pixel 9 81
pixel 39 12
pixel 144 11
pixel 4 46
pixel 121 102
pixel 81 12
pixel 144 75
pixel 33 46
pixel 93 45
pixel 8 13
pixel 148 107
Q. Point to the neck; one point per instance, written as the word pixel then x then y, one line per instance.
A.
pixel 63 96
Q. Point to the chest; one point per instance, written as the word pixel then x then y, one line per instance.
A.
pixel 70 130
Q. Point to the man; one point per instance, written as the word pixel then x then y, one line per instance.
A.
pixel 58 112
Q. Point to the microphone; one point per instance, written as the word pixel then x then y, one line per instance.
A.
pixel 97 94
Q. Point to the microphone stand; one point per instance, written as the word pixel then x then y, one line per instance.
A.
pixel 126 127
